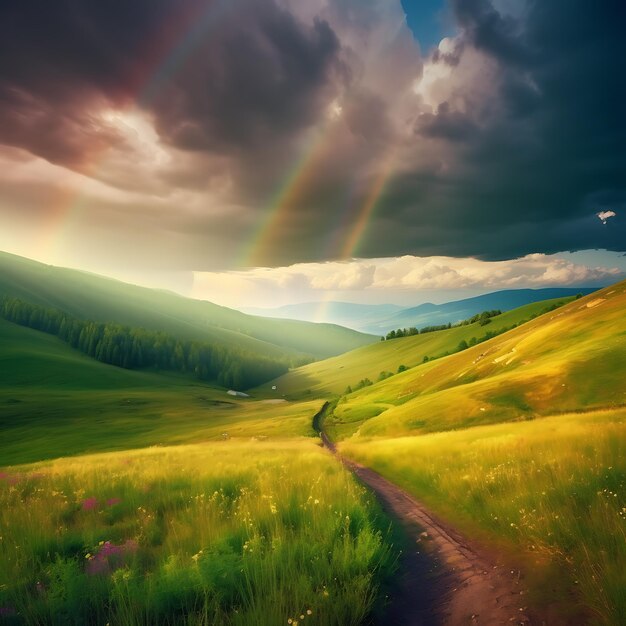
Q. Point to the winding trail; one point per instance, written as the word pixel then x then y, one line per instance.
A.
pixel 442 579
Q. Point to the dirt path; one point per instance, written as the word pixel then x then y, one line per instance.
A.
pixel 442 580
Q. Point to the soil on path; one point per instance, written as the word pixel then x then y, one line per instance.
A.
pixel 442 580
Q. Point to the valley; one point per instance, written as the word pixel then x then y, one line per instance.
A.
pixel 499 435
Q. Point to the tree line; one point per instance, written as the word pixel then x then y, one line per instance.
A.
pixel 138 348
pixel 483 319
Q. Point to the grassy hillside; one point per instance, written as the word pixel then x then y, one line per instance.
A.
pixel 520 441
pixel 93 297
pixel 571 359
pixel 334 375
pixel 56 402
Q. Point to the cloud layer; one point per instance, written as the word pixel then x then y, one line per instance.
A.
pixel 214 133
pixel 386 278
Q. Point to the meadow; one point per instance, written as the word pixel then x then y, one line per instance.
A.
pixel 55 402
pixel 151 498
pixel 549 492
pixel 237 532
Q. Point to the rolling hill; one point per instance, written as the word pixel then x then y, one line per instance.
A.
pixel 521 441
pixel 571 359
pixel 88 296
pixel 334 375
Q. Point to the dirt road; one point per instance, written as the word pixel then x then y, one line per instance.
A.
pixel 442 579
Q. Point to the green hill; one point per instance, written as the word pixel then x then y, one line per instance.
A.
pixel 88 296
pixel 332 376
pixel 571 359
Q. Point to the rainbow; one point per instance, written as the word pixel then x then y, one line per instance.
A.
pixel 286 196
pixel 293 187
pixel 375 193
pixel 168 48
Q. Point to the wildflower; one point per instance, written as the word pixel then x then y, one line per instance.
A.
pixel 309 612
pixel 89 504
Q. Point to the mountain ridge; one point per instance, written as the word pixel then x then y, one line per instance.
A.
pixel 379 319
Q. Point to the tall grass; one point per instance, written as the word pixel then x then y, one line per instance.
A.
pixel 553 487
pixel 221 533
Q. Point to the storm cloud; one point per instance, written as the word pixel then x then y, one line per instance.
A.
pixel 505 140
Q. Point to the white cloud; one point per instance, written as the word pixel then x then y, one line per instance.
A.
pixel 384 278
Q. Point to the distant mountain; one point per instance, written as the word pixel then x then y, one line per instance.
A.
pixel 428 314
pixel 379 319
pixel 343 313
pixel 91 297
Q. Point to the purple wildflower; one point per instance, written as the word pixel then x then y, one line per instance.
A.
pixel 110 557
pixel 89 504
pixel 113 501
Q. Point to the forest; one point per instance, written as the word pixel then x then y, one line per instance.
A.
pixel 139 348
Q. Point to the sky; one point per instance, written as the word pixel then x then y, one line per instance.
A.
pixel 253 152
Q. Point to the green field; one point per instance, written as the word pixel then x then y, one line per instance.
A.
pixel 57 402
pixel 550 491
pixel 251 523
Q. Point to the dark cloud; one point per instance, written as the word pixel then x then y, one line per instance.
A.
pixel 261 77
pixel 528 171
pixel 446 124
pixel 486 29
pixel 216 75
pixel 514 145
